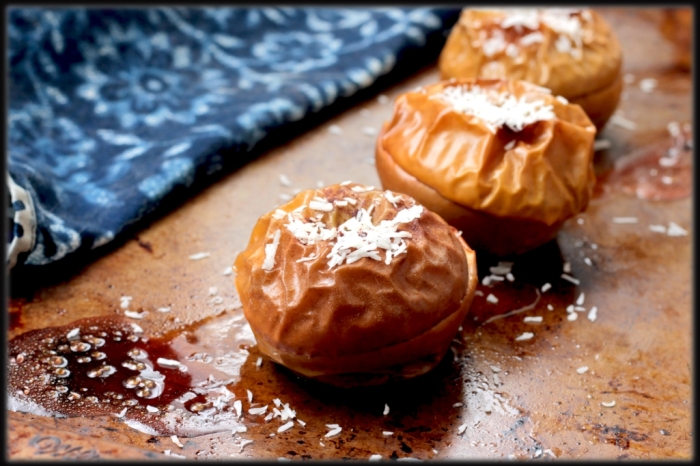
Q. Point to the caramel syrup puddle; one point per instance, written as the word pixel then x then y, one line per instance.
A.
pixel 108 366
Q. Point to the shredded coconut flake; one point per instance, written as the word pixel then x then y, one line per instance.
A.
pixel 532 38
pixel 491 298
pixel 176 441
pixel 270 251
pixel 608 404
pixel 135 315
pixel 546 287
pixel 257 411
pixel 386 409
pixel 533 319
pixel 286 426
pixel 321 206
pixel 171 363
pixel 358 237
pixel 279 214
pixel 335 129
pixel 580 300
pixel 601 144
pixel 199 256
pixel 375 457
pixel 572 316
pixel 284 180
pixel 510 145
pixel 461 429
pixel 648 84
pixel 502 268
pixel 387 433
pixel 571 279
pixel 334 430
pixel 228 271
pixel 495 109
pixel 676 230
pixel 623 122
pixel 73 334
pixel 582 369
pixel 593 314
pixel 369 131
pixel 625 220
pixel 525 336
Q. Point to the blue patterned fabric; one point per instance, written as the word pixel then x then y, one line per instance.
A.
pixel 111 110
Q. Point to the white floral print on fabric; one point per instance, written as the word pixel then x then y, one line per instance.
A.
pixel 115 111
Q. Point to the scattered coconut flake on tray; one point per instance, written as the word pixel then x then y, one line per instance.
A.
pixel 608 404
pixel 170 363
pixel 525 336
pixel 461 429
pixel 533 319
pixel 387 433
pixel 369 131
pixel 623 220
pixel 135 315
pixel 335 129
pixel 571 279
pixel 169 453
pixel 582 369
pixel 593 314
pixel 257 411
pixel 648 84
pixel 284 181
pixel 243 444
pixel 335 430
pixel 285 427
pixel 601 144
pixel 622 122
pixel 228 271
pixel 375 457
pixel 199 256
pixel 676 230
pixel 176 441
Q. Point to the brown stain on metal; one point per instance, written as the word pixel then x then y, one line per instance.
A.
pixel 534 402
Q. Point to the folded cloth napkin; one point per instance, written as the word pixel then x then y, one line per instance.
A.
pixel 111 110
